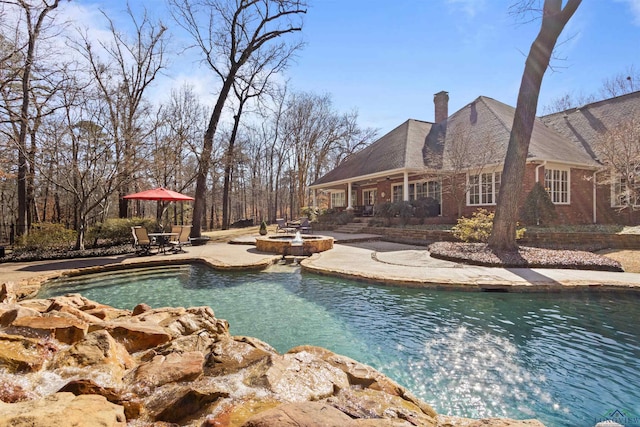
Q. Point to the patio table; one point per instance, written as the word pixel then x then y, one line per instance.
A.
pixel 162 239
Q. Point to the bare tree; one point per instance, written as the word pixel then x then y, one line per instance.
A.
pixel 123 70
pixel 252 84
pixel 621 83
pixel 554 19
pixel 617 85
pixel 317 134
pixel 567 101
pixel 32 24
pixel 619 150
pixel 229 33
pixel 465 150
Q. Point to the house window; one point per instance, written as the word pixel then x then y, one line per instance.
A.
pixel 626 191
pixel 432 189
pixel 417 190
pixel 369 197
pixel 484 188
pixel 556 181
pixel 396 193
pixel 338 199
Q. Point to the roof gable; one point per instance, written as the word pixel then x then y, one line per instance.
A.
pixel 584 126
pixel 400 148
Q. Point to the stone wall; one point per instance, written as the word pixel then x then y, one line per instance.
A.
pixel 583 240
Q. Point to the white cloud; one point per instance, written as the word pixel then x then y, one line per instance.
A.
pixel 634 6
pixel 469 7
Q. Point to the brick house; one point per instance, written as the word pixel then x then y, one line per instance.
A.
pixel 457 161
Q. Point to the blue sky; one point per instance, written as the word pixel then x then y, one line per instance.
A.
pixel 386 59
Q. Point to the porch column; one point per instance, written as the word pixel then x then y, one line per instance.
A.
pixel 405 187
pixel 349 202
pixel 314 201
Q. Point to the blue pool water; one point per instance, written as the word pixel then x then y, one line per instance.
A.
pixel 565 359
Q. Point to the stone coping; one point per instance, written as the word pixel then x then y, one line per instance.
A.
pixel 378 262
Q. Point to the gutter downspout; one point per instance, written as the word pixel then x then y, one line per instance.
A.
pixel 595 202
pixel 537 170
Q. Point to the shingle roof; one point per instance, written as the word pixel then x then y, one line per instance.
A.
pixel 563 137
pixel 400 148
pixel 486 118
pixel 584 125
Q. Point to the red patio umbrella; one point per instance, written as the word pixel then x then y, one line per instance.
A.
pixel 160 194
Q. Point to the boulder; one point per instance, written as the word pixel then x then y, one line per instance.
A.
pixel 364 376
pixel 23 354
pixel 136 337
pixel 173 368
pixel 297 377
pixel 64 329
pixel 11 312
pixel 231 354
pixel 365 403
pixel 172 403
pixel 141 308
pixel 98 350
pixel 77 301
pixel 201 342
pixel 188 321
pixel 307 414
pixel 8 292
pixel 132 405
pixel 63 409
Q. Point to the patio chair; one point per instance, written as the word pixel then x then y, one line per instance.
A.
pixel 141 241
pixel 183 239
pixel 283 227
pixel 175 229
pixel 305 226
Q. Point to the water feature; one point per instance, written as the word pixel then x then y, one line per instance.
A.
pixel 289 244
pixel 566 359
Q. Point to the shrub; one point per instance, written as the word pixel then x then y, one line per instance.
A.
pixel 385 210
pixel 310 212
pixel 117 231
pixel 426 207
pixel 47 236
pixel 404 210
pixel 331 216
pixel 538 207
pixel 478 227
pixel 263 228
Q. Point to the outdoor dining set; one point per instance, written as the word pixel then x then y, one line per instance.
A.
pixel 163 242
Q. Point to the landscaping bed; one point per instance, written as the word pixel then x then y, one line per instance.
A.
pixel 525 257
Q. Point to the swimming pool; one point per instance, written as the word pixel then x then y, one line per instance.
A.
pixel 566 359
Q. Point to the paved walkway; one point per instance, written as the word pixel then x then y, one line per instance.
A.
pixel 354 256
pixel 393 263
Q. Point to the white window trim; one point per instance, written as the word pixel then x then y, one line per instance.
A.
pixel 372 189
pixel 343 196
pixel 494 190
pixel 615 194
pixel 564 169
pixel 417 181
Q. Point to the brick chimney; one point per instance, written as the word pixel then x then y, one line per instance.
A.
pixel 441 102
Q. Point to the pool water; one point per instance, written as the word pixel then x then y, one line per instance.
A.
pixel 565 359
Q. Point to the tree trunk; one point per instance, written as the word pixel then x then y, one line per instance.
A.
pixel 205 159
pixel 554 19
pixel 228 166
